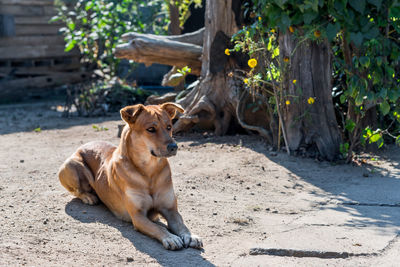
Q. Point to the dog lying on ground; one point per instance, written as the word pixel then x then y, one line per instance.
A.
pixel 134 179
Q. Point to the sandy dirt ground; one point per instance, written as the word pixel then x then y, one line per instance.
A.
pixel 232 191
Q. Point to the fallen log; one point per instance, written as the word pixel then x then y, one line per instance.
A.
pixel 190 38
pixel 149 49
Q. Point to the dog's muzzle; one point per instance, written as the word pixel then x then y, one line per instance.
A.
pixel 172 148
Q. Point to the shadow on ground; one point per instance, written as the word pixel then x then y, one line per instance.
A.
pixel 46 115
pixel 142 243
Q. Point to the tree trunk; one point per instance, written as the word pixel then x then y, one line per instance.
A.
pixel 215 99
pixel 310 64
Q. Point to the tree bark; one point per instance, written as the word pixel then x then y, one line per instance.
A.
pixel 215 99
pixel 310 64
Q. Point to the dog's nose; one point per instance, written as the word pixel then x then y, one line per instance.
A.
pixel 172 147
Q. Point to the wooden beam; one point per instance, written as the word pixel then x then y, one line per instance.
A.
pixel 14 89
pixel 41 70
pixel 40 51
pixel 25 30
pixel 28 2
pixel 31 40
pixel 190 38
pixel 21 10
pixel 36 20
pixel 147 49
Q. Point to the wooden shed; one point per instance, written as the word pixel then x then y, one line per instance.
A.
pixel 32 57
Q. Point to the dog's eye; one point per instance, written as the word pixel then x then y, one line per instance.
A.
pixel 169 127
pixel 151 130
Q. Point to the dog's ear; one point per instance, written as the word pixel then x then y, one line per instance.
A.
pixel 131 113
pixel 172 108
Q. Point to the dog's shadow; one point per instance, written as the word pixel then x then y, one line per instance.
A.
pixel 142 243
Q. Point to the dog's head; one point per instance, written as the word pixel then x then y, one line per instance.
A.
pixel 151 127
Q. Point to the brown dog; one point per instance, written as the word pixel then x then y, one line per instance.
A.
pixel 134 179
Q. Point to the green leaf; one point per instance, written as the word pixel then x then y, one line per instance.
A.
pixel 359 100
pixel 374 138
pixel 350 125
pixel 332 30
pixel 70 45
pixel 309 16
pixel 285 20
pixel 365 61
pixel 358 5
pixel 393 96
pixel 380 142
pixel 357 38
pixel 398 140
pixel 372 33
pixel 376 3
pixel 342 99
pixel 384 107
pixel 280 3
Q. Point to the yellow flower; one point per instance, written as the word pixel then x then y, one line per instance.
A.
pixel 259 18
pixel 291 29
pixel 286 59
pixel 227 52
pixel 311 100
pixel 317 33
pixel 246 81
pixel 252 62
pixel 273 30
pixel 287 102
pixel 294 81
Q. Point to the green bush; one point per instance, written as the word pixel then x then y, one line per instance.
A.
pixel 364 36
pixel 96 26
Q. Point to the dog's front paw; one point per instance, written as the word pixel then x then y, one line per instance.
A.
pixel 192 241
pixel 172 242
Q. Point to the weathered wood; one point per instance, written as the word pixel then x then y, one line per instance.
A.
pixel 39 70
pixel 306 123
pixel 7 26
pixel 31 40
pixel 146 49
pixel 20 10
pixel 12 89
pixel 214 100
pixel 190 38
pixel 39 51
pixel 35 20
pixel 17 10
pixel 28 2
pixel 28 30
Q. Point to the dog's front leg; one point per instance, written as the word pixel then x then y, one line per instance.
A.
pixel 147 227
pixel 176 225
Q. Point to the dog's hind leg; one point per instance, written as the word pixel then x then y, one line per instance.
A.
pixel 76 177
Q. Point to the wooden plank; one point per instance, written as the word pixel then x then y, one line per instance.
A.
pixel 26 71
pixel 35 20
pixel 50 10
pixel 24 30
pixel 14 89
pixel 32 40
pixel 22 10
pixel 7 25
pixel 28 2
pixel 40 51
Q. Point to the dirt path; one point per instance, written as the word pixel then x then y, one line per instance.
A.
pixel 233 192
